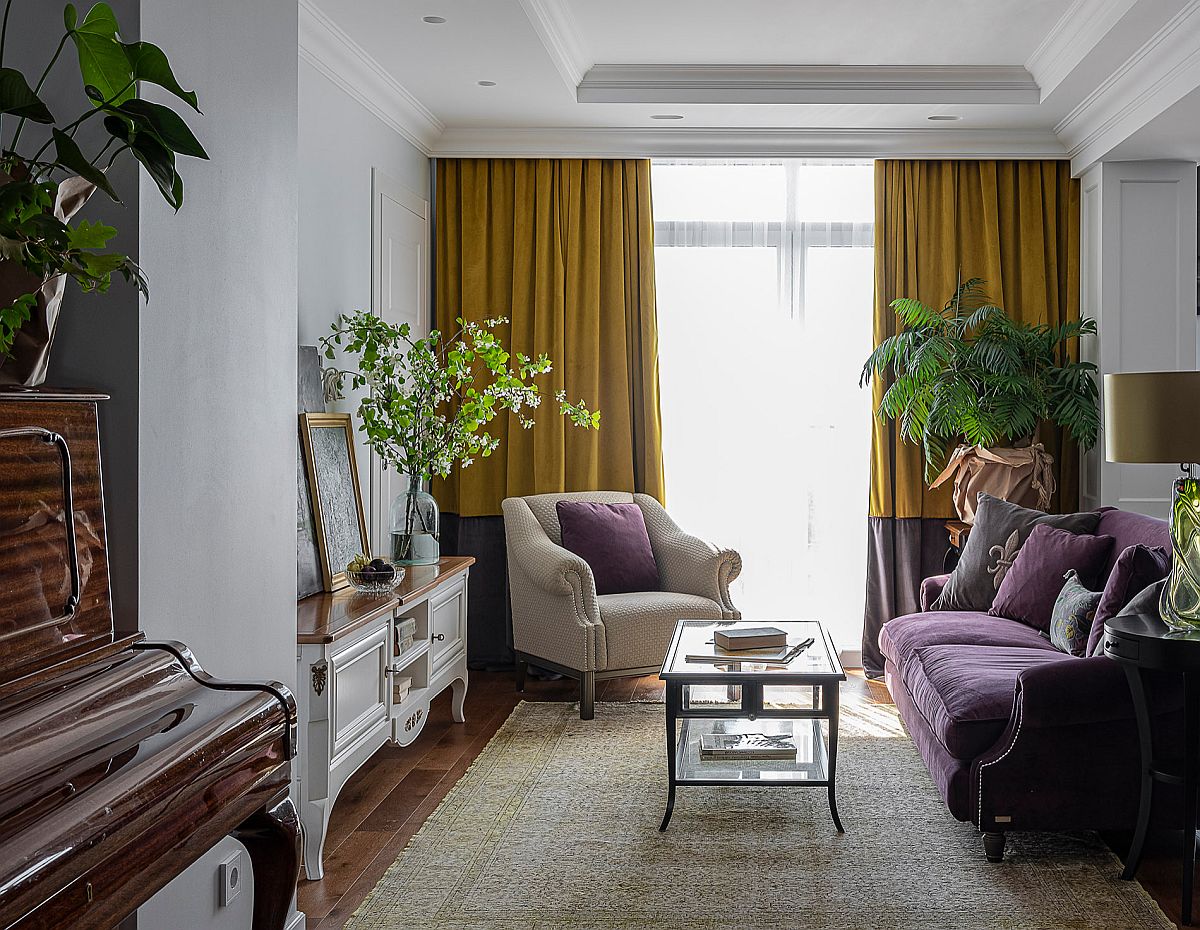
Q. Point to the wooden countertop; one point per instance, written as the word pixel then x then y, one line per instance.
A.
pixel 322 618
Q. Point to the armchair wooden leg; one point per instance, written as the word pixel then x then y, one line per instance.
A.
pixel 587 696
pixel 522 667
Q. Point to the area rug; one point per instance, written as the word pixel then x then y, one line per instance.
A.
pixel 555 827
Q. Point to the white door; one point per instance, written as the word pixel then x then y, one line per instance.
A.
pixel 399 294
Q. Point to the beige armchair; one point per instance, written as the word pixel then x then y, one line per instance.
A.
pixel 560 623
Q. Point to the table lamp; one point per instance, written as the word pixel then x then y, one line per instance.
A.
pixel 1152 416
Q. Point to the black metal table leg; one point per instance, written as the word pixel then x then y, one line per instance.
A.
pixel 674 692
pixel 830 701
pixel 1137 690
pixel 1191 749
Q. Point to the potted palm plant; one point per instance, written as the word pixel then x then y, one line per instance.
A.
pixel 46 176
pixel 971 386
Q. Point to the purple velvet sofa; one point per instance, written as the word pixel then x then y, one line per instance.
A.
pixel 1016 734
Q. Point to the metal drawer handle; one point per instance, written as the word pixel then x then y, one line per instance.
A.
pixel 1112 644
pixel 437 637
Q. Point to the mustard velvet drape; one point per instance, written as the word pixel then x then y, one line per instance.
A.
pixel 1013 223
pixel 565 249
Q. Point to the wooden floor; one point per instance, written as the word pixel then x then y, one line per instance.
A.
pixel 386 801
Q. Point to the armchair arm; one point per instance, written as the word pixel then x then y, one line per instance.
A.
pixel 687 564
pixel 931 587
pixel 553 569
pixel 1092 690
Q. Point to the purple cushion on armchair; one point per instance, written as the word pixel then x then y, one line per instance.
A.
pixel 1028 591
pixel 612 539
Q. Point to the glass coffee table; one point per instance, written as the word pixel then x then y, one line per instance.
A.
pixel 777 706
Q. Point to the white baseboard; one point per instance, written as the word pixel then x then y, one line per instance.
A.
pixel 850 658
pixel 297 922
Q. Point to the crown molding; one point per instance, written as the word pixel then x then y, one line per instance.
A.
pixel 555 26
pixel 750 84
pixel 1160 73
pixel 1072 38
pixel 591 142
pixel 324 45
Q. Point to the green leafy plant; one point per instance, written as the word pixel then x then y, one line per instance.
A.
pixel 428 400
pixel 969 372
pixel 31 235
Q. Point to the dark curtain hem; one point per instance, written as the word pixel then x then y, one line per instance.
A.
pixel 489 621
pixel 901 553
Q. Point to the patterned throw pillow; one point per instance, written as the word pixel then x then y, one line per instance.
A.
pixel 1071 619
pixel 999 531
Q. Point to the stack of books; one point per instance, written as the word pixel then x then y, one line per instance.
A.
pixel 747 746
pixel 406 632
pixel 746 644
pixel 400 689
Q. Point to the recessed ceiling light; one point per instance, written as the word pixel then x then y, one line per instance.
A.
pixel 486 83
pixel 943 117
pixel 667 116
pixel 433 20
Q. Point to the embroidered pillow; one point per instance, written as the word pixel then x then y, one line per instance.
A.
pixel 1029 588
pixel 1136 569
pixel 996 537
pixel 1071 619
pixel 612 539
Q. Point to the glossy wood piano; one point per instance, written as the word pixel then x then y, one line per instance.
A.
pixel 121 761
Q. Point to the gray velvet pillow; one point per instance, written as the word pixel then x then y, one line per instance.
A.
pixel 1144 603
pixel 1000 530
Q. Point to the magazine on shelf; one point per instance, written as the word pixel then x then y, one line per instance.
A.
pixel 763 746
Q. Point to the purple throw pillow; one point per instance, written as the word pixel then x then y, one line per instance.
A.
pixel 1136 569
pixel 612 539
pixel 1029 590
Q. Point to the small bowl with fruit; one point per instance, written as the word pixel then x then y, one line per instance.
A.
pixel 373 576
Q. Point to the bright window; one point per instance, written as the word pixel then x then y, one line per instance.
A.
pixel 765 283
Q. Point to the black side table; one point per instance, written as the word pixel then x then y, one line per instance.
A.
pixel 1142 642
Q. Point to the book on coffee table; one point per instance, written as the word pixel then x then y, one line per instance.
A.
pixel 747 746
pixel 750 637
pixel 721 657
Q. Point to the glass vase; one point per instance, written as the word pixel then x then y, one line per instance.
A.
pixel 1179 605
pixel 415 526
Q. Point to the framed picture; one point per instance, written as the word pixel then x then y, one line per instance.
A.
pixel 311 399
pixel 341 526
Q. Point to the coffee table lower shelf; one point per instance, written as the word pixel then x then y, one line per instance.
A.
pixel 810 766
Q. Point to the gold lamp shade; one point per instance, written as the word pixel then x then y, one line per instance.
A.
pixel 1152 416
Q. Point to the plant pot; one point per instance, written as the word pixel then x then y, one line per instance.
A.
pixel 1021 475
pixel 29 359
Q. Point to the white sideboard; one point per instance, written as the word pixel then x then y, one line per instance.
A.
pixel 347 662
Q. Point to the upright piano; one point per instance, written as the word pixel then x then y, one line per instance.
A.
pixel 121 760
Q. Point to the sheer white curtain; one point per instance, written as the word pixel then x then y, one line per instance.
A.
pixel 765 281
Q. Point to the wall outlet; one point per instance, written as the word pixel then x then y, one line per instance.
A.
pixel 232 874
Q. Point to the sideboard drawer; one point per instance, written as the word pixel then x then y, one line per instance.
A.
pixel 447 623
pixel 358 690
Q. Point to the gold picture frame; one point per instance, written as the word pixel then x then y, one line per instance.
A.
pixel 337 507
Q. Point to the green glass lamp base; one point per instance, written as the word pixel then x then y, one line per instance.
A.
pixel 1179 604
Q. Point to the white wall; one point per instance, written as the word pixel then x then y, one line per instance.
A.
pixel 218 354
pixel 1138 255
pixel 341 141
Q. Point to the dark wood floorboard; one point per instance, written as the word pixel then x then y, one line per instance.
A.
pixel 384 804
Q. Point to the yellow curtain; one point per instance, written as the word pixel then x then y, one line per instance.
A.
pixel 565 249
pixel 1013 223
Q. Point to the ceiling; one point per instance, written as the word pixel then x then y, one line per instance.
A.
pixel 1024 77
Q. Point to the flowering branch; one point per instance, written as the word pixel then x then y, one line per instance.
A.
pixel 428 400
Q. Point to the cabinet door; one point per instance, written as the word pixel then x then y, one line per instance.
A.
pixel 447 623
pixel 358 689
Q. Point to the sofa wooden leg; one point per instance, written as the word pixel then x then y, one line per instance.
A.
pixel 993 846
pixel 587 696
pixel 522 667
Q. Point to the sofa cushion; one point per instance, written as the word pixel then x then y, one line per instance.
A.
pixel 1071 619
pixel 965 693
pixel 638 627
pixel 999 531
pixel 1028 591
pixel 1132 529
pixel 900 638
pixel 1136 568
pixel 613 540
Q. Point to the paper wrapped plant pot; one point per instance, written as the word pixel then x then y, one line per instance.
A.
pixel 1021 475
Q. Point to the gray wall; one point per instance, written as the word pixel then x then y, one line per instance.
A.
pixel 97 341
pixel 340 142
pixel 218 350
